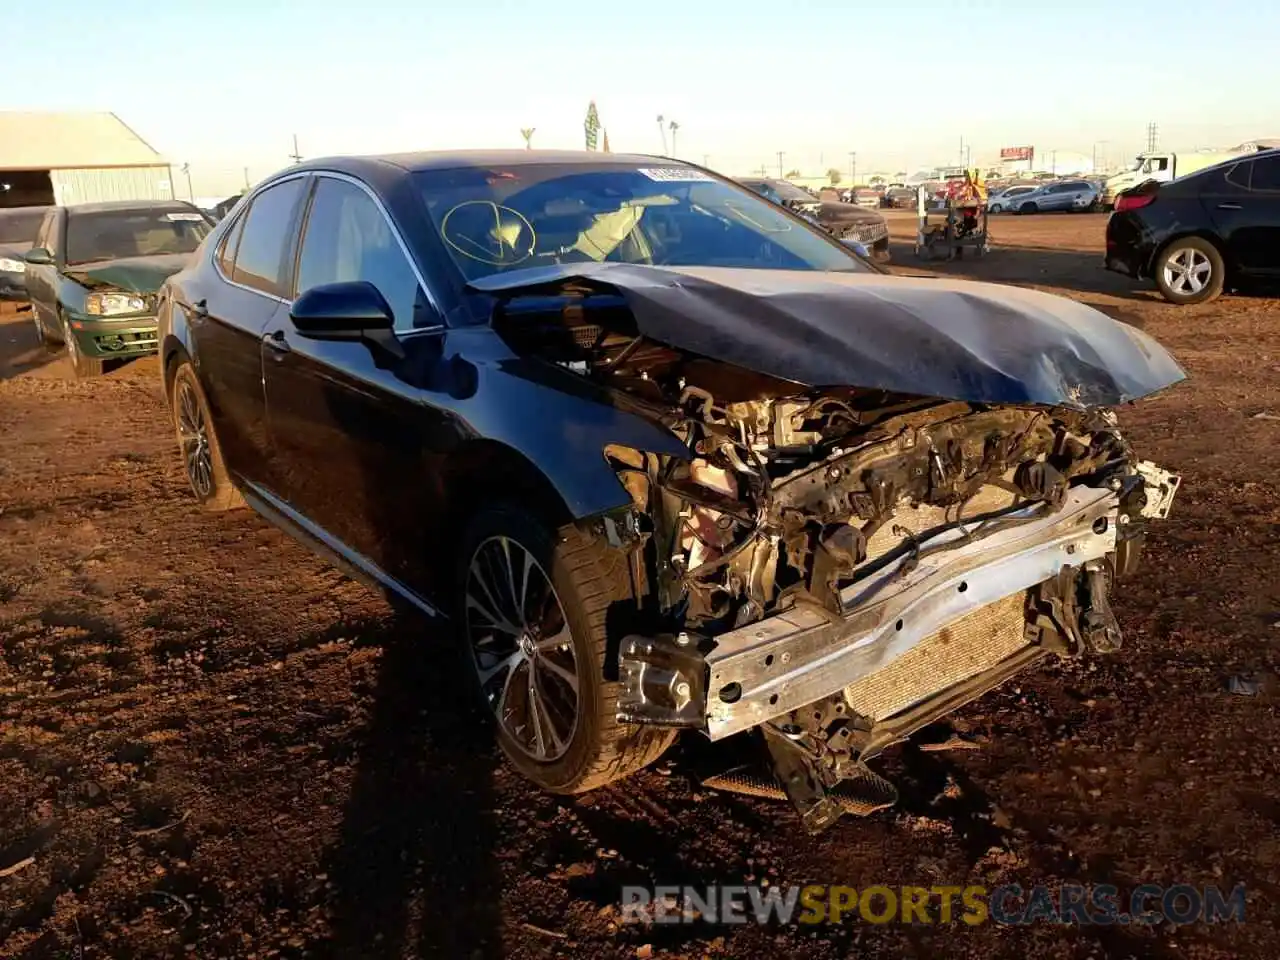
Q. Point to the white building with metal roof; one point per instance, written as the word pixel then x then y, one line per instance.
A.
pixel 70 158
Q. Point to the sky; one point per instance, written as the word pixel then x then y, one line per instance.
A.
pixel 225 85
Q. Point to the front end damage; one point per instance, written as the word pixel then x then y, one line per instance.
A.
pixel 841 577
pixel 839 567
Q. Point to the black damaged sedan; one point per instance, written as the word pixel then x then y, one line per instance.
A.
pixel 663 455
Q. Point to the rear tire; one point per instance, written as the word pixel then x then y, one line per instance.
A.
pixel 994 208
pixel 564 736
pixel 201 454
pixel 1031 207
pixel 1190 270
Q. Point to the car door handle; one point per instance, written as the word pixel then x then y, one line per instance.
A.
pixel 1229 206
pixel 277 344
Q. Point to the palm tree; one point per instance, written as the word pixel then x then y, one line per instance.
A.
pixel 674 127
pixel 663 131
pixel 527 133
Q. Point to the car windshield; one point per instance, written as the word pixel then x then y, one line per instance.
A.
pixel 20 226
pixel 496 219
pixel 142 232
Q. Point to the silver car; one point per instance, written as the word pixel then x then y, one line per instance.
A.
pixel 1077 195
pixel 1002 200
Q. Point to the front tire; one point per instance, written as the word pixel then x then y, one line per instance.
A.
pixel 1031 207
pixel 994 208
pixel 533 614
pixel 42 333
pixel 201 454
pixel 1190 270
pixel 83 367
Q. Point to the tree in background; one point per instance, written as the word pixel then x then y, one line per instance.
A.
pixel 792 173
pixel 833 175
pixel 527 133
pixel 592 126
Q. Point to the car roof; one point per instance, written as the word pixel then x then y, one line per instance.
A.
pixel 106 206
pixel 453 159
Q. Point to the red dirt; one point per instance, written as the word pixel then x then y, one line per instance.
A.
pixel 321 791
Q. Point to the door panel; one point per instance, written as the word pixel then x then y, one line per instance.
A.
pixel 348 449
pixel 228 324
pixel 1247 220
pixel 350 425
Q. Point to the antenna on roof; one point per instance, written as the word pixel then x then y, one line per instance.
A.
pixel 297 157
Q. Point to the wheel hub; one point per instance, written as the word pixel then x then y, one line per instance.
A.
pixel 522 648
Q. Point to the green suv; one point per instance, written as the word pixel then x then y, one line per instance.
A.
pixel 93 274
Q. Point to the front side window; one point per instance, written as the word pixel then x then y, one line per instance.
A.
pixel 348 238
pixel 492 220
pixel 142 232
pixel 265 240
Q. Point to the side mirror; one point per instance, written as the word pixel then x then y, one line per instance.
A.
pixel 349 310
pixel 38 255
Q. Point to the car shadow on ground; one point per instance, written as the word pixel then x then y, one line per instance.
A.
pixel 20 349
pixel 414 868
pixel 1078 270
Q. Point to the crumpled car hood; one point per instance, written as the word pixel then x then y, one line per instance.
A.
pixel 131 274
pixel 955 340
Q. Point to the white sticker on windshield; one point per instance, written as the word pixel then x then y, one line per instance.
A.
pixel 183 217
pixel 676 175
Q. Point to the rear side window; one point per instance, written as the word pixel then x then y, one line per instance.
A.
pixel 20 226
pixel 348 238
pixel 266 240
pixel 227 248
pixel 1266 175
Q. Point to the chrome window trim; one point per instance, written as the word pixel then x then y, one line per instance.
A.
pixel 247 203
pixel 404 249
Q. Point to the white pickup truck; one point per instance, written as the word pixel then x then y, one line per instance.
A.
pixel 1162 167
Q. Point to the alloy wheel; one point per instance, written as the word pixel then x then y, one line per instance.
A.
pixel 522 648
pixel 193 436
pixel 1187 271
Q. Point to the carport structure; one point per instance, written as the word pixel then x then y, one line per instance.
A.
pixel 67 158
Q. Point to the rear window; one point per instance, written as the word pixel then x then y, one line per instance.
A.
pixel 20 226
pixel 143 232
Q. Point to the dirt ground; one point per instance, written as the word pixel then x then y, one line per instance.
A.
pixel 213 744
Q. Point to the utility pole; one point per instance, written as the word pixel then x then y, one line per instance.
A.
pixel 962 150
pixel 297 157
pixel 780 156
pixel 853 168
pixel 706 160
pixel 246 179
pixel 191 194
pixel 968 155
pixel 1153 136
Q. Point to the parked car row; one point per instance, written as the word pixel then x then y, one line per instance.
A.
pixel 847 221
pixel 1076 196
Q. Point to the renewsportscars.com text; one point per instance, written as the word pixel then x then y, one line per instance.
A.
pixel 1102 904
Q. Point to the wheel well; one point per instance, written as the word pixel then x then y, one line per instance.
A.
pixel 173 354
pixel 1199 235
pixel 485 472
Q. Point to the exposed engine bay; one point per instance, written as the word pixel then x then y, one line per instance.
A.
pixel 841 566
